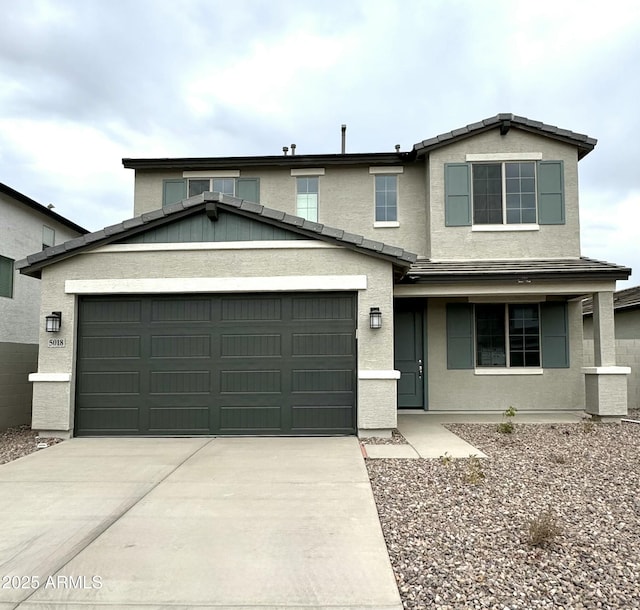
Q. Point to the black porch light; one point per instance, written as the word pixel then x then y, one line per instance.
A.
pixel 375 317
pixel 53 322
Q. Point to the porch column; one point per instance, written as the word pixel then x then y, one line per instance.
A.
pixel 605 383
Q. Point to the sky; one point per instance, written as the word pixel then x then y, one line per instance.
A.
pixel 84 83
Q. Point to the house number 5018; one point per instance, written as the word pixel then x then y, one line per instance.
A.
pixel 56 343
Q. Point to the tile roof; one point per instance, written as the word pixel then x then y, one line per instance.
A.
pixel 425 270
pixel 42 209
pixel 505 121
pixel 34 263
pixel 629 298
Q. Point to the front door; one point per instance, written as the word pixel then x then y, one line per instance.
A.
pixel 409 353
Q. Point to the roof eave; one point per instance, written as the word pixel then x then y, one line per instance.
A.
pixel 622 273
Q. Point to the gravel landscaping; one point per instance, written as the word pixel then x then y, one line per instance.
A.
pixel 551 519
pixel 16 442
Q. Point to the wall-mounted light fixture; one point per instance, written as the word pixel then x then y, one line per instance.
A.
pixel 375 317
pixel 53 322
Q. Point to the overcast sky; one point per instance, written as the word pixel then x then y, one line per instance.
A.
pixel 84 83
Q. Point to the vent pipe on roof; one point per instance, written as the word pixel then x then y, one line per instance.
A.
pixel 293 149
pixel 397 148
pixel 344 138
pixel 285 150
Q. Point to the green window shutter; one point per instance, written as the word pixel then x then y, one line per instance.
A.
pixel 550 193
pixel 554 329
pixel 459 336
pixel 457 193
pixel 6 277
pixel 249 189
pixel 173 191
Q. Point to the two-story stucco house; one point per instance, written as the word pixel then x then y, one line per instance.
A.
pixel 25 227
pixel 319 294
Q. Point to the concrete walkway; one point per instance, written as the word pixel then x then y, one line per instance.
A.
pixel 428 438
pixel 193 523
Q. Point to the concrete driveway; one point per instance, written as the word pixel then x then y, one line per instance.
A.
pixel 192 523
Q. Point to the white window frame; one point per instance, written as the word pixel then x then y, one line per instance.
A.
pixel 386 170
pixel 308 212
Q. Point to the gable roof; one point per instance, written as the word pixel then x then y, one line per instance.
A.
pixel 522 270
pixel 505 121
pixel 42 209
pixel 212 203
pixel 626 299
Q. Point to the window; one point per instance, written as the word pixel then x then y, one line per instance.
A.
pixel 48 237
pixel 386 198
pixel 307 197
pixel 504 194
pixel 504 191
pixel 507 336
pixel 6 277
pixel 225 186
pixel 175 190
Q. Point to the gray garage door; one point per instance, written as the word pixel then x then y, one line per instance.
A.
pixel 211 364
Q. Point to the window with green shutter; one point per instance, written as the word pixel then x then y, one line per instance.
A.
pixel 6 277
pixel 555 335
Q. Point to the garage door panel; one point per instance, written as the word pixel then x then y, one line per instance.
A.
pixel 250 345
pixel 250 382
pixel 176 420
pixel 253 419
pixel 249 309
pixel 180 310
pixel 180 382
pixel 180 346
pixel 217 364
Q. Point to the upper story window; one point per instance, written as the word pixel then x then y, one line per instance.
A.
pixel 197 182
pixel 504 192
pixel 386 198
pixel 6 277
pixel 508 194
pixel 48 237
pixel 386 195
pixel 307 197
pixel 225 186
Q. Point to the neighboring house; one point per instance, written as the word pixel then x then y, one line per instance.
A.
pixel 626 308
pixel 25 227
pixel 318 294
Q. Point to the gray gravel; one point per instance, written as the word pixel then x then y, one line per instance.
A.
pixel 396 439
pixel 16 442
pixel 457 530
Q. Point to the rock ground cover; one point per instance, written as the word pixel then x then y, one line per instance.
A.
pixel 459 531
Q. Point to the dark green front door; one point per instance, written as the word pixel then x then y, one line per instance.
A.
pixel 409 356
pixel 275 364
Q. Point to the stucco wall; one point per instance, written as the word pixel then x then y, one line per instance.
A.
pixel 346 200
pixel 627 349
pixel 550 241
pixel 463 390
pixel 21 235
pixel 376 400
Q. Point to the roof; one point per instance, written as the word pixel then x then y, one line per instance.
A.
pixel 629 298
pixel 42 209
pixel 504 121
pixel 522 270
pixel 212 203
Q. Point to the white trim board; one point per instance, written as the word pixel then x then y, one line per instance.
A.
pixel 280 244
pixel 50 377
pixel 391 169
pixel 512 156
pixel 212 173
pixel 374 374
pixel 216 284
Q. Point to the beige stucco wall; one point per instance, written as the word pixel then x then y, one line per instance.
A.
pixel 53 401
pixel 451 390
pixel 346 200
pixel 550 241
